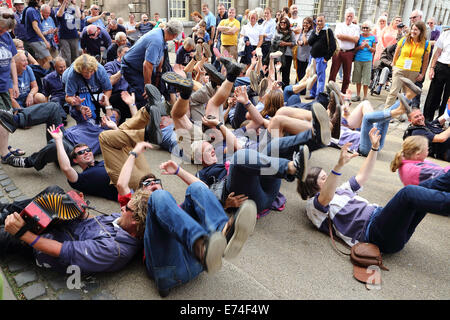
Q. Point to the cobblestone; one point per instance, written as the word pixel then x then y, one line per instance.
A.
pixel 25 277
pixel 5 182
pixel 34 291
pixel 15 193
pixel 10 188
pixel 70 295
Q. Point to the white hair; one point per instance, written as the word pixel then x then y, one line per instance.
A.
pixel 419 12
pixel 174 27
pixel 350 10
pixel 119 35
pixel 382 18
pixel 45 6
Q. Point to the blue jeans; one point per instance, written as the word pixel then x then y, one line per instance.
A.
pixel 258 176
pixel 391 227
pixel 290 98
pixel 285 147
pixel 169 141
pixel 379 119
pixel 172 230
pixel 319 86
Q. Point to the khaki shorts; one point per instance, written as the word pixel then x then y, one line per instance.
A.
pixel 362 71
pixel 5 101
pixel 40 50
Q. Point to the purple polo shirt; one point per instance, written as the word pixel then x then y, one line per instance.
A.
pixel 94 245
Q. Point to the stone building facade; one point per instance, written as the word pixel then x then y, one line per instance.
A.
pixel 333 9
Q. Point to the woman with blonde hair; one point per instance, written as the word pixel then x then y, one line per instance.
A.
pixel 85 80
pixel 387 37
pixel 380 26
pixel 411 164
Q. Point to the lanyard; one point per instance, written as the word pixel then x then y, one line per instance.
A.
pixel 411 52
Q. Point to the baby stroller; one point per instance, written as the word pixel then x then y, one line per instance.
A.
pixel 382 71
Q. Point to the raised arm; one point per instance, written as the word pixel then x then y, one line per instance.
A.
pixel 63 159
pixel 330 185
pixel 172 168
pixel 367 168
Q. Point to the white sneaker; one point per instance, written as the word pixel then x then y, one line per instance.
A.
pixel 275 55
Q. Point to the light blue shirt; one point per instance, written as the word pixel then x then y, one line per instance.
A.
pixel 269 27
pixel 98 22
pixel 150 48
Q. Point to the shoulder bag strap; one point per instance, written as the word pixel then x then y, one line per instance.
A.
pixel 97 104
pixel 330 229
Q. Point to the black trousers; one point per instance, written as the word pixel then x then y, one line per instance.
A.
pixel 438 93
pixel 286 70
pixel 48 154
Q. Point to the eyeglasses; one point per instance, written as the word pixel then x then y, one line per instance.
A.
pixel 95 9
pixel 7 16
pixel 147 183
pixel 127 208
pixel 282 22
pixel 430 22
pixel 83 151
pixel 413 17
pixel 365 28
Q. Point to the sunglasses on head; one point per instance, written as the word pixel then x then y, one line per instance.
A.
pixel 147 183
pixel 7 16
pixel 83 151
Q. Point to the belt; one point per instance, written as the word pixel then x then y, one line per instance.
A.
pixel 342 50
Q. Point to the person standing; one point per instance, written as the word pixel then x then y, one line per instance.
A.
pixel 439 74
pixel 347 35
pixel 269 27
pixel 19 29
pixel 35 38
pixel 210 20
pixel 363 61
pixel 322 49
pixel 96 18
pixel 143 63
pixel 296 21
pixel 221 15
pixel 409 54
pixel 67 15
pixel 49 29
pixel 230 29
pixel 132 33
pixel 303 50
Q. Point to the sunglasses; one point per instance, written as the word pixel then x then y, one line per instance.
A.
pixel 147 183
pixel 127 208
pixel 7 16
pixel 96 9
pixel 83 151
pixel 365 28
pixel 91 34
pixel 413 17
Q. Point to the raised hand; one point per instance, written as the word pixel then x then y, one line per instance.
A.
pixel 168 167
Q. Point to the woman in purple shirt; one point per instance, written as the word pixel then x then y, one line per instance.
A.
pixel 354 219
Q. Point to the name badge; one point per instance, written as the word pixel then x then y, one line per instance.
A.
pixel 408 64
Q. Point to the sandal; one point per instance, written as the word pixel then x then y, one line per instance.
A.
pixel 17 152
pixel 5 158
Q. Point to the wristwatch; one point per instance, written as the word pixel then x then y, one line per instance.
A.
pixel 219 125
pixel 133 153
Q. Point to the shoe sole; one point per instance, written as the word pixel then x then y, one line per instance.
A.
pixel 7 128
pixel 176 79
pixel 213 74
pixel 337 118
pixel 152 93
pixel 405 103
pixel 243 226
pixel 334 87
pixel 411 85
pixel 155 132
pixel 214 252
pixel 321 116
pixel 304 150
pixel 263 87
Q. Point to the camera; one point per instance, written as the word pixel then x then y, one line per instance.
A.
pixel 400 26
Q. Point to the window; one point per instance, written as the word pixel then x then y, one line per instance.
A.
pixel 317 7
pixel 178 9
pixel 263 3
pixel 227 3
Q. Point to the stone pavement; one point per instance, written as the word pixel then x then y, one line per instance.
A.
pixel 286 258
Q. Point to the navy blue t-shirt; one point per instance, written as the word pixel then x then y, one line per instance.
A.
pixel 95 182
pixel 7 51
pixel 183 56
pixel 31 15
pixel 212 174
pixel 67 24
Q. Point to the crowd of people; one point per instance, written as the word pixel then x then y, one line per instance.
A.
pixel 228 103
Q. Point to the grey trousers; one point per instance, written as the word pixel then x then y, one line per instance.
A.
pixel 69 50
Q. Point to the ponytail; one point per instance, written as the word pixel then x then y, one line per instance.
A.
pixel 397 162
